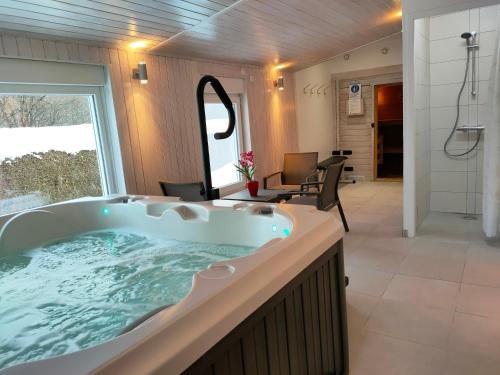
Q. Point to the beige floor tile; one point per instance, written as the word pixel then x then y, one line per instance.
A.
pixel 368 218
pixel 450 227
pixel 366 281
pixel 489 243
pixel 381 260
pixel 411 322
pixel 436 260
pixel 349 201
pixel 355 343
pixel 379 241
pixel 462 363
pixel 394 219
pixel 353 241
pixel 482 266
pixel 443 248
pixel 383 355
pixel 360 228
pixel 442 235
pixel 423 292
pixel 475 335
pixel 359 308
pixel 389 231
pixel 479 300
pixel 379 209
pixel 432 267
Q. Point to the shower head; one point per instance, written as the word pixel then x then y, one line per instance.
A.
pixel 470 37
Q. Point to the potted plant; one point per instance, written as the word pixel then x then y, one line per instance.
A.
pixel 246 166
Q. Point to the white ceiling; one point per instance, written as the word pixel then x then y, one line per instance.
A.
pixel 300 32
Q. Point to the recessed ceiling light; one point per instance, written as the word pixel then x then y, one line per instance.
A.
pixel 138 44
pixel 282 66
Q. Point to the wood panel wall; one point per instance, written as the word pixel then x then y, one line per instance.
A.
pixel 157 122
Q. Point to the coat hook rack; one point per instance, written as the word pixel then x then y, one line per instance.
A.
pixel 318 91
pixel 312 89
pixel 324 91
pixel 305 88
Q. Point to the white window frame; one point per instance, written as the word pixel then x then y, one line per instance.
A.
pixel 107 142
pixel 240 133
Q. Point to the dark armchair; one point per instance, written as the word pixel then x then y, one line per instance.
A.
pixel 327 197
pixel 298 167
pixel 189 191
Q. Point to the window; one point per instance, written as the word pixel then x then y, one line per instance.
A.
pixel 224 153
pixel 55 145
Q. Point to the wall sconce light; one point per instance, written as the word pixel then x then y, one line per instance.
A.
pixel 279 83
pixel 141 73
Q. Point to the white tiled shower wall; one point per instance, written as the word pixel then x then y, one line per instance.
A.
pixel 450 178
pixel 422 104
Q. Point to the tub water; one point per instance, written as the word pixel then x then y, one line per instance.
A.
pixel 74 294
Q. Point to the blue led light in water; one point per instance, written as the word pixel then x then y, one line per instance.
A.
pixel 274 227
pixel 105 211
pixel 286 232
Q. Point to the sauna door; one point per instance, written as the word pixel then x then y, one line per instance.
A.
pixel 388 132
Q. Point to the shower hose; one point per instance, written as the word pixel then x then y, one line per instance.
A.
pixel 458 117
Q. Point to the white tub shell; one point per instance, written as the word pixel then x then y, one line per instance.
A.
pixel 222 296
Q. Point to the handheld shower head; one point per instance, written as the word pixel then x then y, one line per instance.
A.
pixel 470 37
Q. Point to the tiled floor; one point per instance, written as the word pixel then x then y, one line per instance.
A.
pixel 429 305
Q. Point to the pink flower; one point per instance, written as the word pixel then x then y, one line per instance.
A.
pixel 246 165
pixel 248 156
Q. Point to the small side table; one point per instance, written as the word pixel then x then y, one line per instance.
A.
pixel 264 195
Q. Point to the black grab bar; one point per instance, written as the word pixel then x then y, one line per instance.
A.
pixel 210 192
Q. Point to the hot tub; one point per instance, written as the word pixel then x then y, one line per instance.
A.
pixel 279 266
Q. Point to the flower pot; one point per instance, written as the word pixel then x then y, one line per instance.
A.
pixel 253 187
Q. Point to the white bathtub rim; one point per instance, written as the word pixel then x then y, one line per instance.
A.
pixel 171 208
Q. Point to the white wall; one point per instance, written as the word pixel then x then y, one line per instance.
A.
pixel 422 130
pixel 414 9
pixel 456 184
pixel 424 8
pixel 315 119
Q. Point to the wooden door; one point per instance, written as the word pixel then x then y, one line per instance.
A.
pixel 387 111
pixel 376 146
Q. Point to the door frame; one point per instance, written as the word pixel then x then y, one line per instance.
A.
pixel 375 86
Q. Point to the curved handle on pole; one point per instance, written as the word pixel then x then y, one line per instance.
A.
pixel 224 98
pixel 210 192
